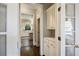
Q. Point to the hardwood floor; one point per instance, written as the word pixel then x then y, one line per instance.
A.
pixel 28 49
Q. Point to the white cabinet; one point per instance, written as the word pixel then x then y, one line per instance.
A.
pixel 51 44
pixel 49 47
pixel 51 50
pixel 51 17
pixel 46 46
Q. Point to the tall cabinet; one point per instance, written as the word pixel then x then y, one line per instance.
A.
pixel 51 44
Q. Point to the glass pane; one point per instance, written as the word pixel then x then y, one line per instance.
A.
pixel 70 51
pixel 70 8
pixel 69 30
pixel 2 18
pixel 2 45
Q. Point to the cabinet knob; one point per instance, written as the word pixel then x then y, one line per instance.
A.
pixel 59 9
pixel 59 38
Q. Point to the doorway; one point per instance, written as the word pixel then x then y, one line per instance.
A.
pixel 38 32
pixel 27 28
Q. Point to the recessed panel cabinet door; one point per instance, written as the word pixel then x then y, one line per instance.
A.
pixel 49 18
pixel 46 46
pixel 54 16
pixel 51 50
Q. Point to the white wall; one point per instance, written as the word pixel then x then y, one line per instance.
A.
pixel 12 29
pixel 39 14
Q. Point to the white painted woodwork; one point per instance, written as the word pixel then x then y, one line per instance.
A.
pixel 51 11
pixel 53 18
pixel 13 40
pixel 49 46
pixel 76 39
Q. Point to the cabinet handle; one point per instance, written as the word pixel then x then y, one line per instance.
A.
pixel 59 38
pixel 59 9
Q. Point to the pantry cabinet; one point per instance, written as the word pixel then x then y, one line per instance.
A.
pixel 51 42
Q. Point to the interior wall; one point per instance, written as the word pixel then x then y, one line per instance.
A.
pixel 39 14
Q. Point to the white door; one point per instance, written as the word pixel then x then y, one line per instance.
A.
pixel 9 29
pixel 70 30
pixel 13 39
pixel 2 30
pixel 77 29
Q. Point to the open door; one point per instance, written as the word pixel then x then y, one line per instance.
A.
pixel 70 30
pixel 2 30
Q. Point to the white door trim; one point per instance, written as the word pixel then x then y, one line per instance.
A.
pixel 62 29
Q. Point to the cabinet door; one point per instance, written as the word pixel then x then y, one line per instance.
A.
pixel 46 50
pixel 49 18
pixel 51 49
pixel 46 47
pixel 53 16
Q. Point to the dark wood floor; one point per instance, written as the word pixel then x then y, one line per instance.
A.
pixel 29 49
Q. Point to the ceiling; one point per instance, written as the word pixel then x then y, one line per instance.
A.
pixel 47 5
